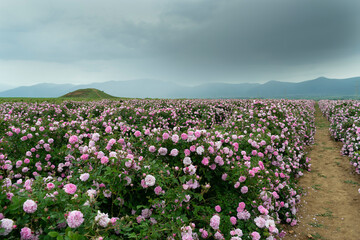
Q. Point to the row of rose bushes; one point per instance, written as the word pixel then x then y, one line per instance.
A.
pixel 152 169
pixel 344 117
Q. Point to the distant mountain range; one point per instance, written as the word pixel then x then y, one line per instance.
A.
pixel 145 88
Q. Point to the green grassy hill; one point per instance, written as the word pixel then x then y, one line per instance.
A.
pixel 89 93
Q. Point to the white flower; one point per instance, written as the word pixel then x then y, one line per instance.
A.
pixel 84 177
pixel 191 169
pixel 91 193
pixel 150 180
pixel 187 161
pixel 175 138
pixel 6 224
pixel 102 219
pixel 200 150
pixel 218 144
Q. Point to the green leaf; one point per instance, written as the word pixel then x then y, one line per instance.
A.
pixel 182 179
pixel 53 234
pixel 59 237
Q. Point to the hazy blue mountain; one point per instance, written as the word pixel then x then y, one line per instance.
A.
pixel 4 87
pixel 320 87
pixel 148 88
pixel 39 90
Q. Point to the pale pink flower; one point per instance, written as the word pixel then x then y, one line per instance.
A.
pixel 29 206
pixel 73 139
pixel 260 222
pixel 84 177
pixel 204 234
pixel 263 210
pixel 200 150
pixel 146 213
pixel 6 224
pixel 108 129
pixel 162 151
pixel 174 152
pixel 107 193
pixel 26 234
pixel 70 188
pixel 205 161
pixel 233 220
pixel 215 222
pixel 158 190
pixel 75 219
pixel 218 236
pixel 241 207
pixel 244 189
pixel 150 180
pixel 184 136
pixel 102 219
pixel 255 236
pixel 242 179
pixel 175 138
pixel 104 160
pixel 165 136
pixel 243 215
pixel 187 161
pixel 50 186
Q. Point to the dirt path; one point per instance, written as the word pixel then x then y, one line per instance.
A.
pixel 330 208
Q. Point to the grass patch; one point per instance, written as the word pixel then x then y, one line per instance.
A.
pixel 322 125
pixel 327 148
pixel 317 236
pixel 316 186
pixel 352 182
pixel 317 225
pixel 321 175
pixel 328 213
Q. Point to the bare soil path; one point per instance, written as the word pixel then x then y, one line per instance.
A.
pixel 330 208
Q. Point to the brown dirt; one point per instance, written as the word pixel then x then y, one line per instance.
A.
pixel 330 207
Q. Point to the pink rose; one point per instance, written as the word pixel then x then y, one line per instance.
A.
pixel 70 188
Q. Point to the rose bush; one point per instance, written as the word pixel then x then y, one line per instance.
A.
pixel 344 117
pixel 152 169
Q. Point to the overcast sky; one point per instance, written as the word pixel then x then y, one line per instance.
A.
pixel 185 41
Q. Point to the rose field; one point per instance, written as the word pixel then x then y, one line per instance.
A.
pixel 159 169
pixel 344 117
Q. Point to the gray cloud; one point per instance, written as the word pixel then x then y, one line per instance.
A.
pixel 187 41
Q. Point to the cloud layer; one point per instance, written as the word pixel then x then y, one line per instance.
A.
pixel 187 41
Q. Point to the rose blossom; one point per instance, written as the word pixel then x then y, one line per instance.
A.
pixel 50 186
pixel 150 180
pixel 102 219
pixel 84 177
pixel 26 234
pixel 29 206
pixel 255 236
pixel 70 188
pixel 215 222
pixel 75 219
pixel 73 139
pixel 244 189
pixel 217 208
pixel 6 224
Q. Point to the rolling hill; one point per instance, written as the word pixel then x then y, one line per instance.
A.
pixel 88 93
